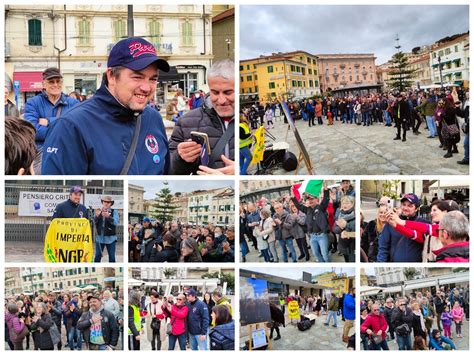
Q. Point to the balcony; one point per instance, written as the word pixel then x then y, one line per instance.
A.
pixel 356 65
pixel 342 66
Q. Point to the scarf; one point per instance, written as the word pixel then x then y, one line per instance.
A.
pixel 422 320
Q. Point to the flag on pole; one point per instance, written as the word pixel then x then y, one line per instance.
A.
pixel 259 147
pixel 311 187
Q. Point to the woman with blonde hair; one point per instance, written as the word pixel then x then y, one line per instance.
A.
pixel 370 236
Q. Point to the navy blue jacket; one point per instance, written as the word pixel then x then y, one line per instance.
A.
pixel 198 318
pixel 69 209
pixel 394 247
pixel 94 138
pixel 40 107
pixel 221 337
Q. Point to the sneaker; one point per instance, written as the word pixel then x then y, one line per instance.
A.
pixel 463 162
pixel 396 138
pixel 326 324
pixel 334 326
pixel 448 155
pixel 277 338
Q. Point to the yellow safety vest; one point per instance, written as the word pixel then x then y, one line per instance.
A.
pixel 137 320
pixel 246 141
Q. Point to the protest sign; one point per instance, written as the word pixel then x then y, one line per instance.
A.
pixel 69 240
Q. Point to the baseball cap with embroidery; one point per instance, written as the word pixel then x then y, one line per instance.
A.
pixel 412 198
pixel 135 53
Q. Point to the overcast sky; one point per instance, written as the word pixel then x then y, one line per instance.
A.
pixel 346 29
pixel 297 273
pixel 152 187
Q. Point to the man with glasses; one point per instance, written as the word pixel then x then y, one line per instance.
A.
pixel 375 325
pixel 106 220
pixel 317 223
pixel 387 312
pixel 402 321
pixel 45 108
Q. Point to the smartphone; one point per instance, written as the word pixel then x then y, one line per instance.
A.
pixel 203 140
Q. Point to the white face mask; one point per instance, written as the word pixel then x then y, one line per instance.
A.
pixel 197 95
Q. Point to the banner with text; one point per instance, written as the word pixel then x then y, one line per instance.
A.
pixel 43 204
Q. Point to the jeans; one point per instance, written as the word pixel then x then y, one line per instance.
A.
pixel 404 343
pixel 74 333
pixel 381 346
pixel 351 115
pixel 266 256
pixel 196 343
pixel 332 314
pixel 344 117
pixel 244 247
pixel 273 252
pixel 288 243
pixel 388 120
pixel 366 118
pixel 320 247
pixel 245 159
pixel 99 248
pixel 431 125
pixel 466 147
pixel 181 341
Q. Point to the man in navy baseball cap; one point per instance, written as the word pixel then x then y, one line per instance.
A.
pixel 412 198
pixel 115 132
pixel 135 53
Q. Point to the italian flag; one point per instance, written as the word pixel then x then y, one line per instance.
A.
pixel 311 187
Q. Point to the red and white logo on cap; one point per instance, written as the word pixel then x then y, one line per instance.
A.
pixel 137 49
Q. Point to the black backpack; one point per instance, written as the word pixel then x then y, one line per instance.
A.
pixel 305 324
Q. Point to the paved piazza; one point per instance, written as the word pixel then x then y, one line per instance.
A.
pixel 360 150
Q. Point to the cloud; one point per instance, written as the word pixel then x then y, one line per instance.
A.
pixel 346 29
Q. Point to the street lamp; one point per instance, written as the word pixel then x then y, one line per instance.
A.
pixel 440 71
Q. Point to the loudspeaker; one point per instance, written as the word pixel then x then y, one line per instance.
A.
pixel 289 161
pixel 272 157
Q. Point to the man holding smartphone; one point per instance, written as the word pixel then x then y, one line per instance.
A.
pixel 215 119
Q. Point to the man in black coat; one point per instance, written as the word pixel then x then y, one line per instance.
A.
pixel 214 118
pixel 402 322
pixel 402 116
pixel 99 327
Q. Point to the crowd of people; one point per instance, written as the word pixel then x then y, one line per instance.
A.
pixel 153 241
pixel 324 223
pixel 402 235
pixel 421 321
pixel 54 321
pixel 53 135
pixel 444 112
pixel 200 323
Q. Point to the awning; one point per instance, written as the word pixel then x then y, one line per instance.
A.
pixel 30 81
pixel 172 75
pixel 419 285
pixel 109 279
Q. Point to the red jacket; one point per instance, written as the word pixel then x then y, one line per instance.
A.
pixel 453 253
pixel 375 323
pixel 178 318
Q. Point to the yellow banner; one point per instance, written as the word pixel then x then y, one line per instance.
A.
pixel 69 240
pixel 259 147
pixel 293 310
